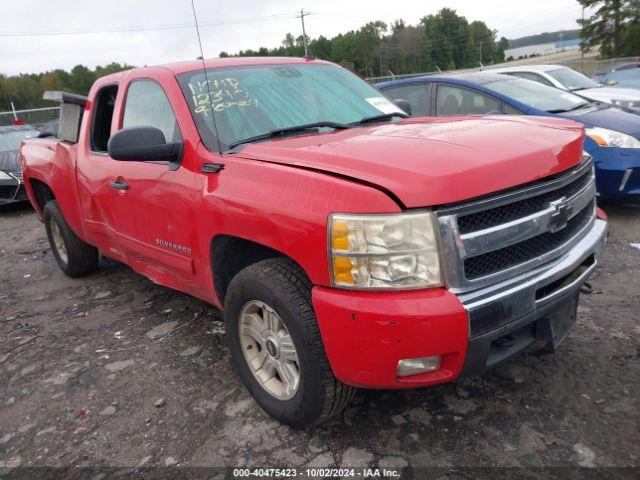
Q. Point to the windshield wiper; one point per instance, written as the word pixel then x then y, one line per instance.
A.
pixel 278 132
pixel 380 118
pixel 565 110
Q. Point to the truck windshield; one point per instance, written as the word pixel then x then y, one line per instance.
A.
pixel 248 102
pixel 537 95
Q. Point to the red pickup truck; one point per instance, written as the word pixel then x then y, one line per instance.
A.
pixel 349 246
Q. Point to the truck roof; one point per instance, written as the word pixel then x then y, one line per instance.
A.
pixel 192 65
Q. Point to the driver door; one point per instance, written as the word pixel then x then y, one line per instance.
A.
pixel 154 200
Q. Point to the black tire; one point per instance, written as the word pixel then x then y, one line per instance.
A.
pixel 78 258
pixel 281 284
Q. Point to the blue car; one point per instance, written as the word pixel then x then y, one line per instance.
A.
pixel 628 77
pixel 613 134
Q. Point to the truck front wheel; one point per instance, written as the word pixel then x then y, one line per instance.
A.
pixel 276 345
pixel 75 257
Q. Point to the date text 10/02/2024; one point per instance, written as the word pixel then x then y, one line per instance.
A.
pixel 316 473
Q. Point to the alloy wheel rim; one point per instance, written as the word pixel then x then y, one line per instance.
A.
pixel 268 350
pixel 58 242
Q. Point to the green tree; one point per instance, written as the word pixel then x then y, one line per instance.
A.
pixel 80 79
pixel 615 26
pixel 26 90
pixel 502 46
pixel 321 48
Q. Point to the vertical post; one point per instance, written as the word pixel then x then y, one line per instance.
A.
pixel 13 109
pixel 581 45
pixel 304 32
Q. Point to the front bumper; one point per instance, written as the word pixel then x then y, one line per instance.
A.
pixel 505 319
pixel 365 334
pixel 617 172
pixel 11 188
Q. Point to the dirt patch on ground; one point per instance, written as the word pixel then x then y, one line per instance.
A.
pixel 112 370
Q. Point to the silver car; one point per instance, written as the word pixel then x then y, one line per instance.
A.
pixel 11 187
pixel 565 78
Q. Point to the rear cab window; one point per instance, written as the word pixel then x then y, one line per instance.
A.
pixel 102 118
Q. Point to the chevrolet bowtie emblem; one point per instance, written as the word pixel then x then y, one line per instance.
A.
pixel 560 216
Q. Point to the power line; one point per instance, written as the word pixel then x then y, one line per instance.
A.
pixel 143 28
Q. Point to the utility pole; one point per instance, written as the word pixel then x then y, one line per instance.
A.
pixel 581 45
pixel 480 48
pixel 304 33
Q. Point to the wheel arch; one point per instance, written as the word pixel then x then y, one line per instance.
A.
pixel 230 254
pixel 42 193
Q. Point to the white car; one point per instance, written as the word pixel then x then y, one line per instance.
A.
pixel 565 78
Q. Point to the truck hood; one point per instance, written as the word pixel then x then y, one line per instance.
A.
pixel 435 161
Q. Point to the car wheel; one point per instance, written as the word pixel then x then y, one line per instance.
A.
pixel 74 256
pixel 276 345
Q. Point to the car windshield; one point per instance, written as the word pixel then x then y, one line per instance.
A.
pixel 245 102
pixel 571 79
pixel 537 95
pixel 10 140
pixel 623 78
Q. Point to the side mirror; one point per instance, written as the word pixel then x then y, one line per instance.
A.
pixel 143 144
pixel 403 105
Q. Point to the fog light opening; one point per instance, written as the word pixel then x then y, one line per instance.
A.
pixel 415 366
pixel 625 179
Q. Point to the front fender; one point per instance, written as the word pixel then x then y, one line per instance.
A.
pixel 281 207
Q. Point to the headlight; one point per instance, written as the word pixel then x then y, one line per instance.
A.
pixel 398 251
pixel 611 138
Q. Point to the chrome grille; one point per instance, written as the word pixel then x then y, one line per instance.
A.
pixel 513 255
pixel 512 211
pixel 495 238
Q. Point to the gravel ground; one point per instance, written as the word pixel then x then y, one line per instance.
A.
pixel 112 370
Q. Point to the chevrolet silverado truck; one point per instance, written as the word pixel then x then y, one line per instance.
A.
pixel 348 245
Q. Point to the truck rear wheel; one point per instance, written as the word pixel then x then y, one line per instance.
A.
pixel 75 257
pixel 276 345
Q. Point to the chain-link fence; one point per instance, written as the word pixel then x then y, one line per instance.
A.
pixel 591 65
pixel 33 116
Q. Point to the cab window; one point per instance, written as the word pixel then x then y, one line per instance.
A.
pixel 461 101
pixel 416 95
pixel 102 117
pixel 148 106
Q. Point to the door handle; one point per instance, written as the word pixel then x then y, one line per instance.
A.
pixel 119 184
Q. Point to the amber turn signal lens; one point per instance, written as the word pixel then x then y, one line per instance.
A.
pixel 342 270
pixel 599 140
pixel 340 232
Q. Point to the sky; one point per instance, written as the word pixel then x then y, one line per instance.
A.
pixel 40 35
